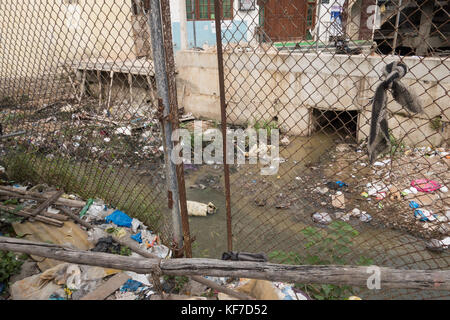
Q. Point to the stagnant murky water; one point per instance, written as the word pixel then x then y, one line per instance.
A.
pixel 266 228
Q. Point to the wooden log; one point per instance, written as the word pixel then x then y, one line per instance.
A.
pixel 330 274
pixel 67 254
pixel 26 214
pixel 126 241
pixel 37 196
pixel 47 203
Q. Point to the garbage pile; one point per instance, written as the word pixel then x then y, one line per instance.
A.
pixel 63 129
pixel 51 216
pixel 409 191
pixel 65 219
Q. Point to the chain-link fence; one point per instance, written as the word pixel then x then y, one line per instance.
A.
pixel 311 69
pixel 77 84
pixel 78 78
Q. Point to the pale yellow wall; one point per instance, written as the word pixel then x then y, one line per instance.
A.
pixel 37 36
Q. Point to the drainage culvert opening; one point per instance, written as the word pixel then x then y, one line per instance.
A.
pixel 342 123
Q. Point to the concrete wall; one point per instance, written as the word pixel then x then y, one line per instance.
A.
pixel 37 37
pixel 240 29
pixel 288 86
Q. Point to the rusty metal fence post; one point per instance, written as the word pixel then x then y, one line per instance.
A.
pixel 163 62
pixel 223 112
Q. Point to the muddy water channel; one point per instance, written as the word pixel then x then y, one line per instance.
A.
pixel 270 214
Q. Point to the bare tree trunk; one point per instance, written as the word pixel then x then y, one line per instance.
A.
pixel 340 275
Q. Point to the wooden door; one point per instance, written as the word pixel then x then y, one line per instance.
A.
pixel 285 20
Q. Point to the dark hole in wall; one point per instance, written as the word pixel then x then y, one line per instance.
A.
pixel 342 123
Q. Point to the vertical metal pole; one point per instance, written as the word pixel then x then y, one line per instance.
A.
pixel 173 101
pixel 193 24
pixel 397 21
pixel 162 85
pixel 223 111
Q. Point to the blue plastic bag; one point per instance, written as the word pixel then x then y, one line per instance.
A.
pixel 131 285
pixel 120 219
pixel 341 184
pixel 414 205
pixel 418 213
pixel 137 237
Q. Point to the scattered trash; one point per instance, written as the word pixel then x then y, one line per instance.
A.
pixel 124 130
pixel 137 237
pixel 135 224
pixel 365 217
pixel 374 188
pixel 285 141
pixel 56 296
pixel 323 218
pixel 438 245
pixel 323 190
pixel 424 215
pixel 342 216
pixel 198 209
pixel 364 194
pixel 120 219
pixel 413 190
pixel 141 278
pixel 131 286
pixel 443 189
pixel 425 185
pixel 338 200
pixel 413 205
pixel 336 185
pixel 356 213
pixel 380 196
pixel 107 245
pixel 86 207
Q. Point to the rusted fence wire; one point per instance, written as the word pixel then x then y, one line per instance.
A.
pixel 310 69
pixel 78 77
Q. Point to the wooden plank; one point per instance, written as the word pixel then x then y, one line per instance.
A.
pixel 108 288
pixel 25 214
pixel 323 274
pixel 36 195
pixel 47 203
pixel 75 217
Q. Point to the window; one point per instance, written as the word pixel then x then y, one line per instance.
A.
pixel 311 14
pixel 204 9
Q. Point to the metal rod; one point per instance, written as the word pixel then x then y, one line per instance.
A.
pixel 397 21
pixel 223 111
pixel 162 85
pixel 173 100
pixel 193 24
pixel 15 134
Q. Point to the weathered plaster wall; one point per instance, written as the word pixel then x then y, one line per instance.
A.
pixel 288 86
